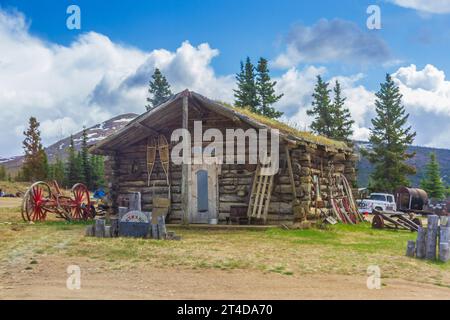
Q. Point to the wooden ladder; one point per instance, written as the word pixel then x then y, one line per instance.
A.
pixel 261 193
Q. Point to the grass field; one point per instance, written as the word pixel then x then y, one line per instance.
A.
pixel 338 250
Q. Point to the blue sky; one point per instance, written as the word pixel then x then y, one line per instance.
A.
pixel 240 28
pixel 313 37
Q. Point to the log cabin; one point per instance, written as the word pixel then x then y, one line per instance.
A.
pixel 309 175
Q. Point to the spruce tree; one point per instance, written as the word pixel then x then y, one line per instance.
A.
pixel 35 165
pixel 265 89
pixel 323 123
pixel 85 161
pixel 342 118
pixel 72 167
pixel 432 181
pixel 56 172
pixel 98 172
pixel 159 90
pixel 390 138
pixel 246 94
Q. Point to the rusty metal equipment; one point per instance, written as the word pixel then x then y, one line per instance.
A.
pixel 43 198
pixel 395 220
pixel 410 199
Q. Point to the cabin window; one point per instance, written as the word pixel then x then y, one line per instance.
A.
pixel 202 191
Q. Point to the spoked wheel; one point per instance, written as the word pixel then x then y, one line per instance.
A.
pixel 377 222
pixel 34 202
pixel 81 203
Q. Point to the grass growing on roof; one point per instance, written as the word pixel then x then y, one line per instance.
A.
pixel 287 129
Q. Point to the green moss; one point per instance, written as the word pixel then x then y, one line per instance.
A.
pixel 287 129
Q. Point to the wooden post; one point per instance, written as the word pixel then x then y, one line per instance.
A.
pixel 100 228
pixel 186 168
pixel 444 234
pixel 444 252
pixel 410 248
pixel 432 234
pixel 421 243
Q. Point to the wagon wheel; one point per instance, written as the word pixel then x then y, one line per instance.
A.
pixel 377 222
pixel 81 203
pixel 34 201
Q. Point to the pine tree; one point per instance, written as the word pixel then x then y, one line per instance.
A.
pixel 85 161
pixel 390 138
pixel 342 117
pixel 265 89
pixel 35 165
pixel 72 167
pixel 159 90
pixel 56 172
pixel 246 93
pixel 322 110
pixel 98 172
pixel 432 182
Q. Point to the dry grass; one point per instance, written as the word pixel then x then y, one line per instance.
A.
pixel 346 250
pixel 14 187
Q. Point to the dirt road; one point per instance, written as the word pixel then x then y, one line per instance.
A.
pixel 47 280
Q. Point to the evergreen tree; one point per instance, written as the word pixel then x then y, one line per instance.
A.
pixel 322 110
pixel 265 89
pixel 390 138
pixel 432 182
pixel 246 94
pixel 159 90
pixel 73 169
pixel 56 172
pixel 2 173
pixel 342 118
pixel 98 172
pixel 35 165
pixel 85 161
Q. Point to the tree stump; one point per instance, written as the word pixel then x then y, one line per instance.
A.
pixel 107 231
pixel 162 227
pixel 421 243
pixel 100 228
pixel 114 227
pixel 444 251
pixel 90 231
pixel 444 234
pixel 410 248
pixel 432 234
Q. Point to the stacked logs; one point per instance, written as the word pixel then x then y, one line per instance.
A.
pixel 432 242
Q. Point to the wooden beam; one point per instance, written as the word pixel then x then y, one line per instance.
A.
pixel 146 128
pixel 186 168
pixel 291 172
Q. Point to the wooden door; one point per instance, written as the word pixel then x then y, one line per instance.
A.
pixel 204 193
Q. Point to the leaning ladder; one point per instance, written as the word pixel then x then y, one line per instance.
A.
pixel 261 193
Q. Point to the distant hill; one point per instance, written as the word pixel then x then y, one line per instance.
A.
pixel 59 149
pixel 419 162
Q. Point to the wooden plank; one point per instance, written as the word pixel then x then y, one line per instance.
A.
pixel 186 168
pixel 291 172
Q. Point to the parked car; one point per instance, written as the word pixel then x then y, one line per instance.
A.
pixel 378 201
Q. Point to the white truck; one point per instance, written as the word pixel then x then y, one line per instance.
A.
pixel 378 201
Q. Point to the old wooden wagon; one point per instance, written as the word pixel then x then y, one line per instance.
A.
pixel 311 169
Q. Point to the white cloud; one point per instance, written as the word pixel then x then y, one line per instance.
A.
pixel 424 90
pixel 94 79
pixel 429 6
pixel 91 80
pixel 332 41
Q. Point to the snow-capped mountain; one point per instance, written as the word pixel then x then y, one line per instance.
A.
pixel 59 149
